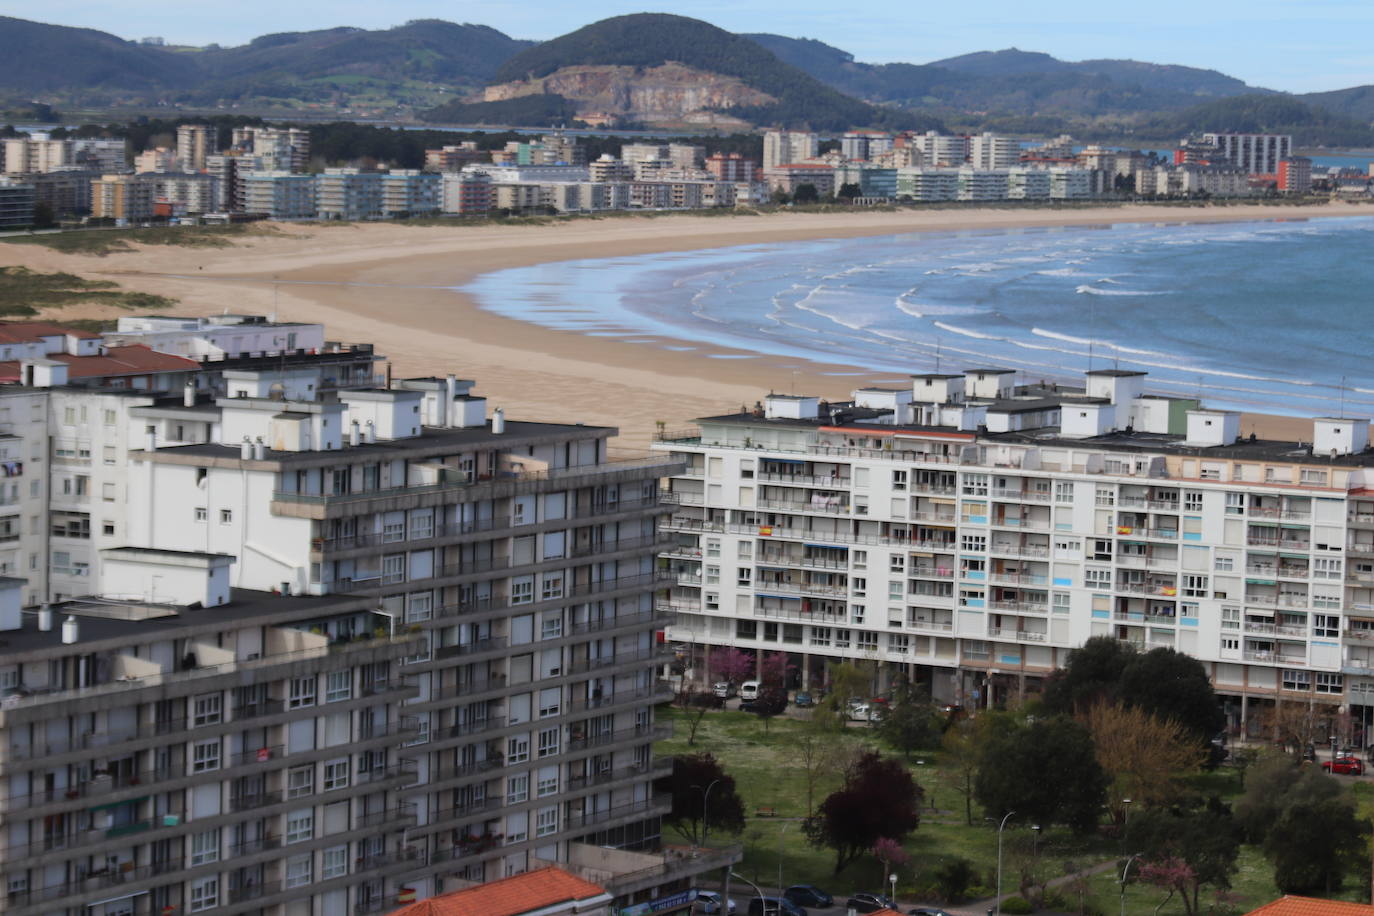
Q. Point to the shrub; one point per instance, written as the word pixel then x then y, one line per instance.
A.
pixel 1017 906
pixel 953 878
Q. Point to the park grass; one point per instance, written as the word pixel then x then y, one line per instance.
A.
pixel 100 242
pixel 23 292
pixel 768 774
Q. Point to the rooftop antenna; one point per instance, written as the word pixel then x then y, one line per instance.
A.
pixel 937 356
pixel 274 298
pixel 1342 413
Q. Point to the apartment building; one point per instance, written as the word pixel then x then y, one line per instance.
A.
pixel 733 167
pixel 278 194
pixel 969 532
pixel 790 176
pixel 230 173
pixel 1256 154
pixel 1295 175
pixel 123 197
pixel 455 158
pixel 410 192
pixel 608 168
pixel 941 150
pixel 466 192
pixel 195 142
pixel 36 154
pixel 17 199
pixel 284 149
pixel 346 193
pixel 927 184
pixel 191 748
pixel 159 159
pixel 183 193
pixel 993 151
pixel 784 147
pixel 102 155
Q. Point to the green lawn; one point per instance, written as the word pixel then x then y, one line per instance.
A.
pixel 768 773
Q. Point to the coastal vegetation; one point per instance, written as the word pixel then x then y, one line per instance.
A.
pixel 25 292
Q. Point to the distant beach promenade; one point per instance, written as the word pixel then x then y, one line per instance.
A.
pixel 393 285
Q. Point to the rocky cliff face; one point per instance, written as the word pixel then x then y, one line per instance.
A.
pixel 667 94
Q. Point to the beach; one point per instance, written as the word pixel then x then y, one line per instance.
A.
pixel 392 285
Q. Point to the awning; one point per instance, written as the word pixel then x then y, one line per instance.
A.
pixel 109 805
pixel 783 461
pixel 779 597
pixel 1295 556
pixel 824 546
pixel 1260 582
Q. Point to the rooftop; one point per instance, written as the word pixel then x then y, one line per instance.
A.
pixel 1290 905
pixel 35 331
pixel 519 894
pixel 131 360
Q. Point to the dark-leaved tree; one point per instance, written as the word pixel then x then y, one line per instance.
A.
pixel 910 721
pixel 806 193
pixel 878 800
pixel 1205 839
pixel 704 798
pixel 1170 685
pixel 1090 676
pixel 1046 771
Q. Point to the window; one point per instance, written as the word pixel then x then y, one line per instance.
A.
pixel 1101 550
pixel 975 484
pixel 546 822
pixel 334 862
pixel 896 590
pixel 858 587
pixel 207 710
pixel 393 528
pixel 1194 586
pixel 107 492
pixel 336 774
pixel 1192 500
pixel 553 586
pixel 746 629
pixel 109 418
pixel 518 749
pixel 860 559
pixel 1230 643
pixel 744 575
pixel 1224 564
pixel 338 685
pixel 204 894
pixel 109 455
pixel 713 547
pixel 896 563
pixel 820 636
pixel 1330 683
pixel 867 642
pixel 201 513
pixel 1235 503
pixel 551 627
pixel 394 568
pixel 1327 625
pixel 1062 602
pixel 550 701
pixel 1312 478
pixel 1230 618
pixel 205 756
pixel 898 643
pixel 1326 568
pixel 226 516
pixel 522 590
pixel 899 480
pixel 712 601
pixel 302 693
pixel 107 529
pixel 1296 680
pixel 300 781
pixel 298 870
pixel 549 741
pixel 1097 578
pixel 300 825
pixel 1105 496
pixel 977 543
pixel 548 784
pixel 205 847
pixel 517 788
pixel 1063 491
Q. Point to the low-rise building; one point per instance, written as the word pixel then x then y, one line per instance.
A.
pixel 17 200
pixel 123 197
pixel 789 176
pixel 278 194
pixel 348 193
pixel 410 192
pixel 466 192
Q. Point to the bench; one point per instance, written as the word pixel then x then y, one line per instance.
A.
pixel 765 812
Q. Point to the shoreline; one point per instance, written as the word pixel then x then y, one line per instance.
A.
pixel 337 274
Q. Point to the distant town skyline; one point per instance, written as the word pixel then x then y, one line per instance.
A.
pixel 1278 44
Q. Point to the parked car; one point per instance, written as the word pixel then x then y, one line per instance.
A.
pixel 926 911
pixel 804 700
pixel 749 690
pixel 774 906
pixel 859 710
pixel 1349 766
pixel 723 689
pixel 808 895
pixel 709 902
pixel 870 903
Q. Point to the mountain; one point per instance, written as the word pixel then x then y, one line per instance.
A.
pixel 40 58
pixel 1263 114
pixel 1356 102
pixel 1163 77
pixel 662 68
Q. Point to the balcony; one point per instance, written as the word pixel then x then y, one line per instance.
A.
pixel 813 589
pixel 1017 635
pixel 1031 607
pixel 1015 550
pixel 1038 496
pixel 680 498
pixel 403 815
pixel 805 480
pixel 813 505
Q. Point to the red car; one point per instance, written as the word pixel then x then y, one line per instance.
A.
pixel 1350 766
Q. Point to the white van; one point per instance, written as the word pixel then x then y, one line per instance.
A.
pixel 749 690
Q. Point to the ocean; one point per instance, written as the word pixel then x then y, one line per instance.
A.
pixel 1275 316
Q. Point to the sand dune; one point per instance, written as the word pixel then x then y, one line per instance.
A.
pixel 392 285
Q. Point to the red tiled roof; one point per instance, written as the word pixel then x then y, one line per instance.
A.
pixel 135 359
pixel 508 896
pixel 1312 906
pixel 32 331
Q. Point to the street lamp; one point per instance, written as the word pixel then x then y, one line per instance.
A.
pixel 705 801
pixel 1126 824
pixel 1123 880
pixel 892 878
pixel 782 831
pixel 1035 850
pixel 726 904
pixel 1334 741
pixel 997 906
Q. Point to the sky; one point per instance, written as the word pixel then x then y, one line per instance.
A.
pixel 1293 45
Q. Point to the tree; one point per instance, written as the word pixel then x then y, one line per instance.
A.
pixel 694 703
pixel 806 193
pixel 878 799
pixel 1313 846
pixel 1046 771
pixel 847 680
pixel 849 191
pixel 1271 783
pixel 1145 756
pixel 1172 685
pixel 910 721
pixel 1205 840
pixel 889 852
pixel 953 878
pixel 1173 875
pixel 963 744
pixel 1090 676
pixel 700 807
pixel 822 755
pixel 732 665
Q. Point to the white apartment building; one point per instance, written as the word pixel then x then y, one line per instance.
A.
pixel 942 150
pixel 928 184
pixel 1072 184
pixel 281 149
pixel 982 184
pixel 784 147
pixel 1256 154
pixel 1028 184
pixel 106 155
pixel 969 533
pixel 466 192
pixel 993 151
pixel 195 142
pixel 189 193
pixel 278 194
pixel 35 154
pixel 157 160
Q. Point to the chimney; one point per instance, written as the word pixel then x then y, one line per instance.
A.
pixel 354 433
pixel 450 392
pixel 150 440
pixel 45 618
pixel 370 432
pixel 259 450
pixel 70 631
pixel 246 448
pixel 188 394
pixel 498 422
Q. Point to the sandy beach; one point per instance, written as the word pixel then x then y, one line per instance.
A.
pixel 392 285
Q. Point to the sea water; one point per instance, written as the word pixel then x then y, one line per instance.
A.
pixel 1275 315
